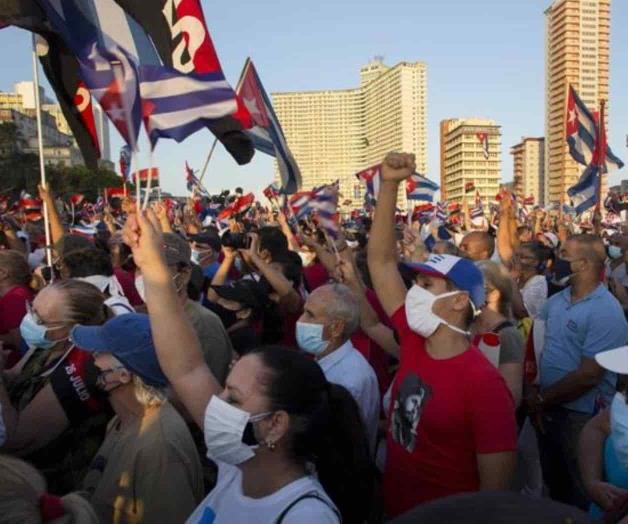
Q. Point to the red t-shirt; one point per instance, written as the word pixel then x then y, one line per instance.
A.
pixel 443 413
pixel 13 307
pixel 375 355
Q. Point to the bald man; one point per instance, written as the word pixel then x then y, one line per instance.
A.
pixel 580 321
pixel 478 245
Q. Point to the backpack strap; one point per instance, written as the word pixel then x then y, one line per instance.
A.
pixel 309 495
pixel 503 325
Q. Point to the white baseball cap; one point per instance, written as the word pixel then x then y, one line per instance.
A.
pixel 615 360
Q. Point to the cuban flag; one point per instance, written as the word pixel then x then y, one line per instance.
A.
pixel 371 178
pixel 483 139
pixel 325 202
pixel 420 188
pixel 266 133
pixel 125 162
pixel 300 204
pixel 440 212
pixel 582 132
pixel 585 193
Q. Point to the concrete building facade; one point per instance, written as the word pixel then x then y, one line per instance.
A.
pixel 335 134
pixel 529 168
pixel 577 53
pixel 463 159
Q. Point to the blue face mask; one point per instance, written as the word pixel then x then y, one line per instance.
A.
pixel 310 338
pixel 34 334
pixel 614 252
pixel 619 427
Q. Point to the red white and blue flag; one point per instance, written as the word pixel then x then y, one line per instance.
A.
pixel 266 132
pixel 483 138
pixel 582 132
pixel 324 202
pixel 125 162
pixel 300 204
pixel 371 178
pixel 193 183
pixel 420 188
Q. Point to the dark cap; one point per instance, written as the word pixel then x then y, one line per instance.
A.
pixel 207 238
pixel 247 292
pixel 129 339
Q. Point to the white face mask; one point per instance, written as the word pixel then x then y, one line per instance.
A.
pixel 619 427
pixel 421 317
pixel 139 287
pixel 228 430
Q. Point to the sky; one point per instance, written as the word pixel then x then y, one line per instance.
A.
pixel 485 58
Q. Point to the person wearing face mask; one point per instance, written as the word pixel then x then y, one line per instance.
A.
pixel 290 446
pixel 215 341
pixel 242 303
pixel 205 252
pixel 580 322
pixel 56 416
pixel 528 272
pixel 330 317
pixel 148 458
pixel 603 446
pixel 452 423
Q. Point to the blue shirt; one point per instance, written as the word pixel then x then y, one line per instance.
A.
pixel 593 324
pixel 211 270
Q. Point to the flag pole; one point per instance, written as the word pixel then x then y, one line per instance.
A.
pixel 209 156
pixel 40 143
pixel 601 153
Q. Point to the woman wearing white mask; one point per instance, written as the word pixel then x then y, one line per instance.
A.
pixel 276 418
pixel 55 415
pixel 603 451
pixel 452 425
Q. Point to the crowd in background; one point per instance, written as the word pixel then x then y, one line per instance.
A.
pixel 169 367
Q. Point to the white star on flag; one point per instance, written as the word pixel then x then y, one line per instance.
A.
pixel 251 105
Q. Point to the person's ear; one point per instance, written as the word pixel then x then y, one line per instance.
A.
pixel 125 376
pixel 275 428
pixel 244 313
pixel 336 329
pixel 460 301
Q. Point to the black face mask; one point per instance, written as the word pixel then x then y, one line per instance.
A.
pixel 562 270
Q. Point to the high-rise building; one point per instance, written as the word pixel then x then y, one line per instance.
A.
pixel 529 168
pixel 463 158
pixel 335 134
pixel 577 53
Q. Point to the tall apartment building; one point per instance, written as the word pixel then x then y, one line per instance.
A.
pixel 463 160
pixel 335 134
pixel 529 168
pixel 576 52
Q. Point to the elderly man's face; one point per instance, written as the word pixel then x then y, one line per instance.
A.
pixel 315 312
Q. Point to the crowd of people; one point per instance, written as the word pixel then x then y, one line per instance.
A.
pixel 169 368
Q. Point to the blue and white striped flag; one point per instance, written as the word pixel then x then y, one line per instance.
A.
pixel 420 188
pixel 266 133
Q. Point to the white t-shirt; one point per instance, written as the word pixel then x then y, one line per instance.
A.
pixel 534 294
pixel 226 504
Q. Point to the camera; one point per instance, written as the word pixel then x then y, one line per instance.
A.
pixel 236 240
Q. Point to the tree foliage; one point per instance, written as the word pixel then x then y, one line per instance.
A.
pixel 20 171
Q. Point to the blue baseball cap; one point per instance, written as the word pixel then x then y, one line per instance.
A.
pixel 461 272
pixel 129 339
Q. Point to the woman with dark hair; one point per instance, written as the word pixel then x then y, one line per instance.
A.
pixel 276 425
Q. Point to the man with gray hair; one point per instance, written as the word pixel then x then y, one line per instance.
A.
pixel 147 468
pixel 330 316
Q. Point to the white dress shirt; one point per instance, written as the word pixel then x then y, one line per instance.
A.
pixel 348 368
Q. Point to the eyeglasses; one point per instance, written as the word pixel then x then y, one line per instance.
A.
pixel 38 320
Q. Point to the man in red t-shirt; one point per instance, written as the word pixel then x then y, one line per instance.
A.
pixel 452 423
